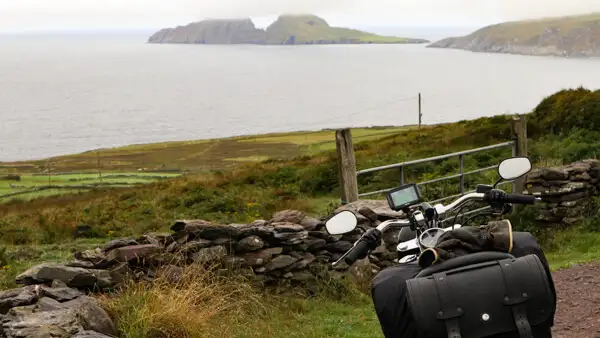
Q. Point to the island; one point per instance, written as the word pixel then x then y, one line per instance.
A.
pixel 569 36
pixel 286 30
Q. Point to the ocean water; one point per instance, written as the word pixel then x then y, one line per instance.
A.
pixel 62 94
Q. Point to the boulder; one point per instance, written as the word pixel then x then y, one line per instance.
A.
pixel 17 297
pixel 91 315
pixel 74 277
pixel 61 323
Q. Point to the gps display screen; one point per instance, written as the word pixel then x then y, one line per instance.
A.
pixel 402 197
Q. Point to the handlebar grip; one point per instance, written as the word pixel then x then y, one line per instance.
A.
pixel 520 199
pixel 360 250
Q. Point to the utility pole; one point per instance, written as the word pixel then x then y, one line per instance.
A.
pixel 420 114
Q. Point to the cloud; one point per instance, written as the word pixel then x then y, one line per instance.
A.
pixel 76 14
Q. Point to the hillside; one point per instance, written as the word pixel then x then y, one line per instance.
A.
pixel 571 36
pixel 287 29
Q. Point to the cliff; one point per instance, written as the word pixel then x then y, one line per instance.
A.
pixel 287 29
pixel 572 36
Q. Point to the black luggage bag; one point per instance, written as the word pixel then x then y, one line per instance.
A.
pixel 484 295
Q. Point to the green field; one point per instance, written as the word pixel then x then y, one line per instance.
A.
pixel 198 155
pixel 32 186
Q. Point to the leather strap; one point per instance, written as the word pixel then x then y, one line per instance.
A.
pixel 449 310
pixel 515 298
pixel 520 316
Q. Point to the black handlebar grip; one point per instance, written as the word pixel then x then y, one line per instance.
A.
pixel 519 199
pixel 360 250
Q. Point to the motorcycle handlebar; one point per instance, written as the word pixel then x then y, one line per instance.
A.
pixel 520 199
pixel 359 250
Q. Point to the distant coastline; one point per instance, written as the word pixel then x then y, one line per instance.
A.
pixel 571 36
pixel 286 30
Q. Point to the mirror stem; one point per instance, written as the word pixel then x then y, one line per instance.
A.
pixel 498 182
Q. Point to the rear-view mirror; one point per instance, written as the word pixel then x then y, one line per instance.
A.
pixel 341 223
pixel 513 168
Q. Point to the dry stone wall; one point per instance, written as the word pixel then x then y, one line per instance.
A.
pixel 567 192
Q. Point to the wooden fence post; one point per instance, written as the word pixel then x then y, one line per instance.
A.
pixel 346 166
pixel 519 127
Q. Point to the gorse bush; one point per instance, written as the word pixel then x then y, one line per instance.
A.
pixel 566 110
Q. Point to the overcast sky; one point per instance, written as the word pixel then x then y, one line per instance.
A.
pixel 26 15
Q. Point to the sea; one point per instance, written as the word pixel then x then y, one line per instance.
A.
pixel 64 93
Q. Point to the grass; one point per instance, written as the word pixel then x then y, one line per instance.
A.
pixel 15 259
pixel 199 155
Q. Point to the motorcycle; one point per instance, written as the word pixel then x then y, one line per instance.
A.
pixel 425 225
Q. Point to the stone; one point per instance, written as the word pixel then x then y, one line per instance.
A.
pixel 61 323
pixel 195 246
pixel 284 227
pixel 250 243
pixel 94 256
pixel 47 304
pixel 21 311
pixel 205 229
pixel 280 262
pixel 133 253
pixel 91 315
pixel 228 242
pixel 61 294
pixel 90 334
pixel 340 246
pixel 322 235
pixel 81 264
pixel 173 247
pixel 17 297
pixel 289 216
pixel 380 207
pixel 208 255
pixel 170 273
pixel 302 277
pixel 291 238
pixel 262 257
pixel 58 284
pixel 311 223
pixel 118 243
pixel 233 262
pixel 304 261
pixel 146 239
pixel 74 277
pixel 121 273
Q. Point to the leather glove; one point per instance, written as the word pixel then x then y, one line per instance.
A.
pixel 495 236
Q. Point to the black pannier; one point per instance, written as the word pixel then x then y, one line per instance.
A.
pixel 488 294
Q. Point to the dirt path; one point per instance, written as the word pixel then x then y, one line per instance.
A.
pixel 578 311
